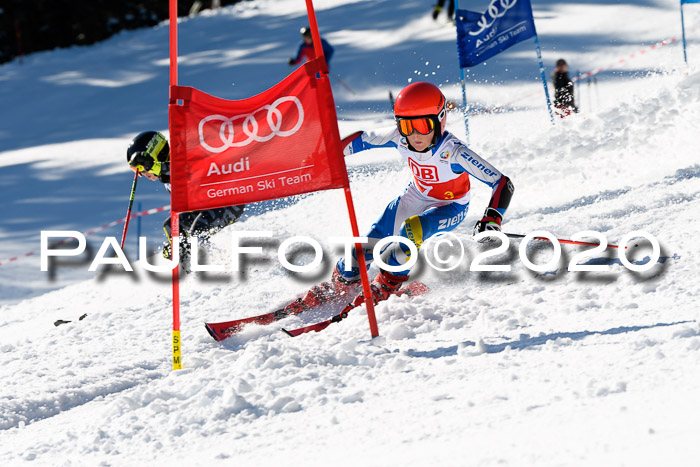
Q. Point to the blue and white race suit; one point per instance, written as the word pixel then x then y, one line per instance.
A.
pixel 435 201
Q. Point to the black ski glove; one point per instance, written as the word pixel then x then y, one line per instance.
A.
pixel 490 222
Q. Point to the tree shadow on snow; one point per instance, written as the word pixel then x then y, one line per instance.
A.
pixel 119 87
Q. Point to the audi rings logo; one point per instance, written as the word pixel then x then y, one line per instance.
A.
pixel 230 128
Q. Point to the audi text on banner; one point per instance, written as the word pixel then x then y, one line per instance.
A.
pixel 279 143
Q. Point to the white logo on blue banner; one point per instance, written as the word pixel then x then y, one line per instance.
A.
pixel 502 25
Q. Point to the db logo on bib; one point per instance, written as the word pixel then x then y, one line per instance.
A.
pixel 424 173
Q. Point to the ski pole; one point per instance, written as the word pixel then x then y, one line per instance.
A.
pixel 343 84
pixel 128 211
pixel 577 94
pixel 560 240
pixel 590 105
pixel 138 224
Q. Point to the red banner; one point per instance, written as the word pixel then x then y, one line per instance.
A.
pixel 279 143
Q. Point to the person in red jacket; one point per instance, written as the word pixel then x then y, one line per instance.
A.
pixel 306 49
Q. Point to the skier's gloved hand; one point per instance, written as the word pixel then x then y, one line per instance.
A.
pixel 490 222
pixel 145 163
pixel 290 61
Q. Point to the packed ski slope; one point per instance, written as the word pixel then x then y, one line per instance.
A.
pixel 517 368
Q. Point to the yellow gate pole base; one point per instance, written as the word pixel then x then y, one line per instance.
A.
pixel 177 363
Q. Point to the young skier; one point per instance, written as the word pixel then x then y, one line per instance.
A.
pixel 149 152
pixel 435 201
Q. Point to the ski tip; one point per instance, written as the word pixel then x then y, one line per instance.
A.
pixel 418 288
pixel 287 333
pixel 212 333
pixel 414 289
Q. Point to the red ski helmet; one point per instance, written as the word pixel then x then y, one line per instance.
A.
pixel 421 99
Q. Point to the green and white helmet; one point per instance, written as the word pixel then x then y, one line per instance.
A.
pixel 151 143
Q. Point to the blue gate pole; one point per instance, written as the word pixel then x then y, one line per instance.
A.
pixel 544 79
pixel 685 56
pixel 462 5
pixel 464 103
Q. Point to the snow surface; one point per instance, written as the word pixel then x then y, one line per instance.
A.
pixel 517 368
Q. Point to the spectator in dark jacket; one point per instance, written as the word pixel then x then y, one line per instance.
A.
pixel 306 49
pixel 563 89
pixel 441 5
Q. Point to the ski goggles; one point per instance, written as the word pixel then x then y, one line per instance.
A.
pixel 423 125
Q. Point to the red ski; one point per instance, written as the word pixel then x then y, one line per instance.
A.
pixel 413 289
pixel 220 331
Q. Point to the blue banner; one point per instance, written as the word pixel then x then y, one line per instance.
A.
pixel 503 24
pixel 690 1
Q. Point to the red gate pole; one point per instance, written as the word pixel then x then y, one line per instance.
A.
pixel 360 253
pixel 318 48
pixel 359 250
pixel 174 216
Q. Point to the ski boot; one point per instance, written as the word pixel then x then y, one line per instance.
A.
pixel 325 292
pixel 384 285
pixel 184 258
